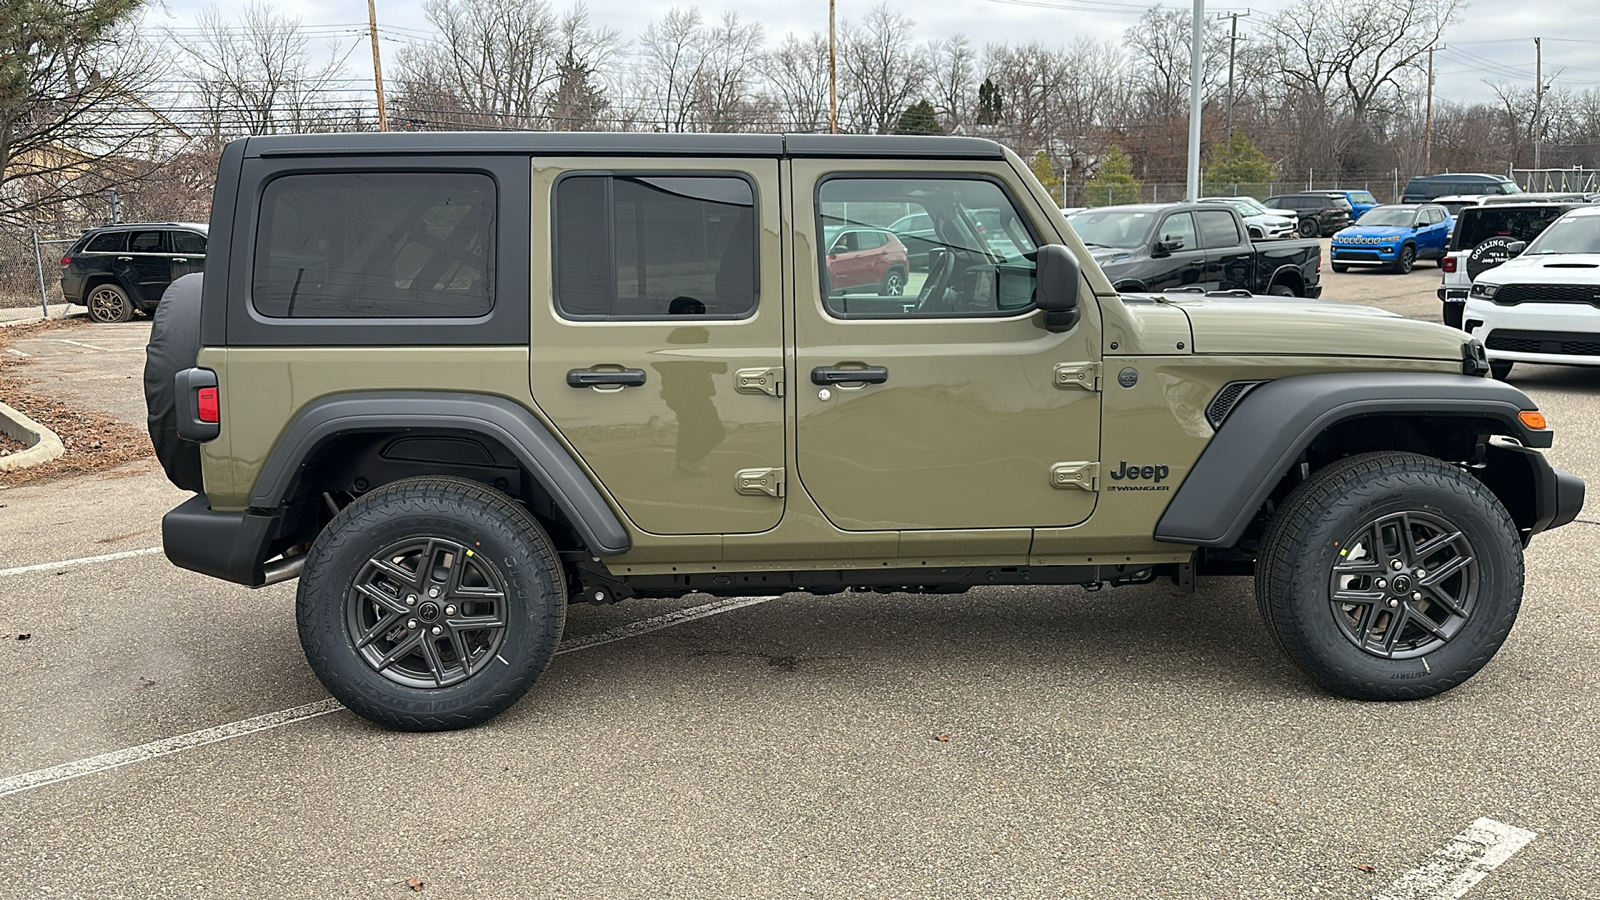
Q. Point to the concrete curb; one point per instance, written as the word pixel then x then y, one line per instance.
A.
pixel 43 445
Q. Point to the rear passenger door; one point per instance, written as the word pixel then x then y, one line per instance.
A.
pixel 150 262
pixel 188 253
pixel 657 334
pixel 1433 231
pixel 1230 259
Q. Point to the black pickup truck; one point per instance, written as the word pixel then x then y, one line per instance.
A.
pixel 1167 246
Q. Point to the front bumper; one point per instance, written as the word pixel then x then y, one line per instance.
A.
pixel 1559 333
pixel 1364 254
pixel 1538 495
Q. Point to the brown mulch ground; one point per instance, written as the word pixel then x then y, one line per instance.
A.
pixel 94 440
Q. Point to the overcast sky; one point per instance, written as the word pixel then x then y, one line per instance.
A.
pixel 1493 40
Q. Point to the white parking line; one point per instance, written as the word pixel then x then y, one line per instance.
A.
pixel 80 561
pixel 1453 869
pixel 15 352
pixel 116 759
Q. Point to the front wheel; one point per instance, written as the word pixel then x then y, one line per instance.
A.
pixel 430 604
pixel 1406 259
pixel 1390 576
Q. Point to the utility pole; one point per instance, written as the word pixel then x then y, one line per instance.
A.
pixel 377 64
pixel 1427 142
pixel 1538 97
pixel 833 78
pixel 1197 30
pixel 1233 41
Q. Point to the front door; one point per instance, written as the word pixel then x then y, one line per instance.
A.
pixel 949 406
pixel 1180 266
pixel 657 347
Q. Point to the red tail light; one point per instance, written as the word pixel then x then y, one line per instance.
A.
pixel 1319 263
pixel 66 260
pixel 207 406
pixel 1448 263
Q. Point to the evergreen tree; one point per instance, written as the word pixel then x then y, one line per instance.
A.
pixel 1240 162
pixel 919 118
pixel 989 104
pixel 1114 182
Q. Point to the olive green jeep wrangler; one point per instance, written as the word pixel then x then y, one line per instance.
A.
pixel 454 382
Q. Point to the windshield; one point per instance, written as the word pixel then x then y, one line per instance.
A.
pixel 1573 234
pixel 1112 228
pixel 1402 216
pixel 1363 197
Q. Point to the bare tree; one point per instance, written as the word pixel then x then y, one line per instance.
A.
pixel 882 72
pixel 671 61
pixel 733 52
pixel 76 82
pixel 954 83
pixel 258 75
pixel 492 65
pixel 798 74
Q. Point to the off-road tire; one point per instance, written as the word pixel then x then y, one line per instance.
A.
pixel 1407 258
pixel 1501 369
pixel 502 539
pixel 108 304
pixel 1312 532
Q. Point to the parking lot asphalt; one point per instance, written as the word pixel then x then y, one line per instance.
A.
pixel 1049 742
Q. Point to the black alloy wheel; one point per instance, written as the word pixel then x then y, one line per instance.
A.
pixel 1405 584
pixel 427 612
pixel 1406 259
pixel 1309 228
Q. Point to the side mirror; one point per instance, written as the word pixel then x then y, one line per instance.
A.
pixel 1057 287
pixel 1516 247
pixel 1168 244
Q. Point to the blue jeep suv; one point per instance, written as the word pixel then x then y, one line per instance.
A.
pixel 1392 237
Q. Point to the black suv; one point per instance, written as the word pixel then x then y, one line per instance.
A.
pixel 117 269
pixel 1320 214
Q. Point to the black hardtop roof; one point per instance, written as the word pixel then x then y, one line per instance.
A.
pixel 556 143
pixel 1457 176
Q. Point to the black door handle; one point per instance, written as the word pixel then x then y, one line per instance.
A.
pixel 584 378
pixel 868 375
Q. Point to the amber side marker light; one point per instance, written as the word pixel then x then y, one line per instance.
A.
pixel 1533 419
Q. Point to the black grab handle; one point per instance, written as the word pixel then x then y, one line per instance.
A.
pixel 584 378
pixel 868 375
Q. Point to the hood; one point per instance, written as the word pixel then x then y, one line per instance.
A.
pixel 1376 231
pixel 1103 255
pixel 1547 268
pixel 1273 326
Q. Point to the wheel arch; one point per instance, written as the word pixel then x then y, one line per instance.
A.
pixel 1259 447
pixel 337 439
pixel 1290 276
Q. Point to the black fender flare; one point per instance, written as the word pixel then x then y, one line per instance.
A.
pixel 500 419
pixel 1268 429
pixel 1286 271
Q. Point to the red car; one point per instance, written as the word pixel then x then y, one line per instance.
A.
pixel 867 259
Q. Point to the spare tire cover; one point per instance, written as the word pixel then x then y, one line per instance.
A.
pixel 174 344
pixel 1492 252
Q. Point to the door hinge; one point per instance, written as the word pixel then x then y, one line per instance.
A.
pixel 767 381
pixel 758 482
pixel 1078 375
pixel 1084 476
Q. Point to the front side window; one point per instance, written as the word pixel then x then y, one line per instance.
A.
pixel 647 247
pixel 922 247
pixel 1179 228
pixel 376 245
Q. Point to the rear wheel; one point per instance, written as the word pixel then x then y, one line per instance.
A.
pixel 431 604
pixel 1280 289
pixel 109 304
pixel 894 283
pixel 1390 576
pixel 1308 228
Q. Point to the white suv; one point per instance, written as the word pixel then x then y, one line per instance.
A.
pixel 1544 305
pixel 1478 243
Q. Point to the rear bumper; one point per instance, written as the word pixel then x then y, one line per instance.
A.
pixel 226 545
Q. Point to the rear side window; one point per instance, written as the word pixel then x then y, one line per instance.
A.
pixel 108 242
pixel 1479 223
pixel 647 247
pixel 376 245
pixel 188 242
pixel 147 242
pixel 1217 229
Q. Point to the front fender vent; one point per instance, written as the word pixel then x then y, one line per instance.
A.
pixel 1227 399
